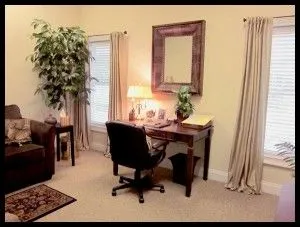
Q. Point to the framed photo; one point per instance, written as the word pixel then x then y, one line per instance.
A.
pixel 161 114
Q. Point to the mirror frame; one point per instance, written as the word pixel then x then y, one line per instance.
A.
pixel 196 29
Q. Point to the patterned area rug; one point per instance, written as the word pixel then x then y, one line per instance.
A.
pixel 36 202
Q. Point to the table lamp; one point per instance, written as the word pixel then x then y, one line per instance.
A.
pixel 138 92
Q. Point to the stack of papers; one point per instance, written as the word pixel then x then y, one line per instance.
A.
pixel 157 124
pixel 199 120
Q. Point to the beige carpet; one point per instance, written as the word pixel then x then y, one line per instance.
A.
pixel 91 181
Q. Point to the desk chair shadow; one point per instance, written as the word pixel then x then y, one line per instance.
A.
pixel 129 148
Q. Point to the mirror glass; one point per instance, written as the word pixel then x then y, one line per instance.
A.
pixel 178 59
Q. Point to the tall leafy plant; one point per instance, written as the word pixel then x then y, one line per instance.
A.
pixel 60 56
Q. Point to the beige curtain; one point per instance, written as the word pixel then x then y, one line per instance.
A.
pixel 117 82
pixel 246 161
pixel 81 125
pixel 79 113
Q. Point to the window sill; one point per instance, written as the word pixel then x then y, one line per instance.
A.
pixel 98 128
pixel 273 160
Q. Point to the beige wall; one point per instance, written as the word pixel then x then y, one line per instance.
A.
pixel 223 64
pixel 20 81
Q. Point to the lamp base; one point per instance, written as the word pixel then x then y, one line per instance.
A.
pixel 139 117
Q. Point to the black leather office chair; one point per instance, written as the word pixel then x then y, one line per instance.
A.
pixel 128 147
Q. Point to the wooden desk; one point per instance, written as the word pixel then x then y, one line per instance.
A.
pixel 189 136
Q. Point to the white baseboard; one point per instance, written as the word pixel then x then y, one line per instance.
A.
pixel 221 176
pixel 271 188
pixel 213 174
pixel 98 147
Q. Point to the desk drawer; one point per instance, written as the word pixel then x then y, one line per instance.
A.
pixel 160 135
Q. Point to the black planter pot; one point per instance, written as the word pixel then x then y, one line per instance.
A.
pixel 180 117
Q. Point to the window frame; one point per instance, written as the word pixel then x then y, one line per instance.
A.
pixel 272 159
pixel 97 127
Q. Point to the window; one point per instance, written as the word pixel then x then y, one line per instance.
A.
pixel 99 68
pixel 280 121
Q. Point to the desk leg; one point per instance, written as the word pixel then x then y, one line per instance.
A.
pixel 57 147
pixel 189 170
pixel 115 170
pixel 72 148
pixel 206 155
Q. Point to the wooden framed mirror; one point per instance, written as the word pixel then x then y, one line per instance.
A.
pixel 178 56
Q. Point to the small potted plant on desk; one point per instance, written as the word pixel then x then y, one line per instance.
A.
pixel 184 107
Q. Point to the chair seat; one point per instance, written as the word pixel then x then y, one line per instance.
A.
pixel 16 156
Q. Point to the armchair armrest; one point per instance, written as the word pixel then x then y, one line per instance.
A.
pixel 44 134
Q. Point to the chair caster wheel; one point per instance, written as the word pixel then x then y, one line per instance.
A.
pixel 162 190
pixel 121 180
pixel 141 200
pixel 114 193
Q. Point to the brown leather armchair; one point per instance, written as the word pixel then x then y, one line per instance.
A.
pixel 33 162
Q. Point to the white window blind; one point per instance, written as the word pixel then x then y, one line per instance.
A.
pixel 280 122
pixel 100 69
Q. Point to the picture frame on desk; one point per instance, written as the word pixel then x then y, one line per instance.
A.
pixel 161 114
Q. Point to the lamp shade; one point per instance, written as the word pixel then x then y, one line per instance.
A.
pixel 141 92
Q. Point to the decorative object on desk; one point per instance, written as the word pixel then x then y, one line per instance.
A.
pixel 60 67
pixel 161 114
pixel 287 152
pixel 132 115
pixel 150 115
pixel 50 120
pixel 36 202
pixel 184 107
pixel 140 93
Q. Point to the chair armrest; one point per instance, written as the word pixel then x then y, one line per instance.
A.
pixel 44 134
pixel 159 144
pixel 41 133
pixel 154 151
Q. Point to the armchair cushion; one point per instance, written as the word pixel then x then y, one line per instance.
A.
pixel 18 131
pixel 16 156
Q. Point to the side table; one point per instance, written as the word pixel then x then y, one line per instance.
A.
pixel 63 129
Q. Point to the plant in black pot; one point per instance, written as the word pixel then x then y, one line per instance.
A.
pixel 60 57
pixel 184 106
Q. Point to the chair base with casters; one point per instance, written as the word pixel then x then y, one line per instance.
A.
pixel 138 183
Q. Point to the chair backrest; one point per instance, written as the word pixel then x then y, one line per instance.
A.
pixel 128 145
pixel 12 112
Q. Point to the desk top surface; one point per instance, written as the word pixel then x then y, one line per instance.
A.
pixel 173 128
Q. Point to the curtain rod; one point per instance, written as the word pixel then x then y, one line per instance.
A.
pixel 275 17
pixel 125 32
